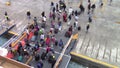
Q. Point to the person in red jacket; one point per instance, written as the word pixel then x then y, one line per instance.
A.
pixel 65 16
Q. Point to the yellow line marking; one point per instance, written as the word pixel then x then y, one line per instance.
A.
pixel 93 60
pixel 11 32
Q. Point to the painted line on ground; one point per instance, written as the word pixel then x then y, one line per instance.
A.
pixel 94 60
pixel 14 33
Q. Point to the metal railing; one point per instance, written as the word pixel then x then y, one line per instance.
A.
pixel 13 38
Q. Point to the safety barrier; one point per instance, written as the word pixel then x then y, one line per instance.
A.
pixel 14 43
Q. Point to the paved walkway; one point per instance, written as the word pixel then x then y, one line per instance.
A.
pixel 17 11
pixel 102 40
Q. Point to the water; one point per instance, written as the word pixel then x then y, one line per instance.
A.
pixel 5 38
pixel 73 64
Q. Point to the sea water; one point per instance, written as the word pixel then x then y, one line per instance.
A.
pixel 73 64
pixel 3 39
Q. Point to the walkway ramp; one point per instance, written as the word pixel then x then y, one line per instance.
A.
pixel 5 26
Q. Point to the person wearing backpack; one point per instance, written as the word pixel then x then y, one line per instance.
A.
pixel 61 43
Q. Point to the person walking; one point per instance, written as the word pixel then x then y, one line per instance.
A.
pixel 61 43
pixel 69 19
pixel 57 7
pixel 89 7
pixel 87 27
pixel 37 57
pixel 82 9
pixel 101 3
pixel 35 21
pixel 28 14
pixel 47 41
pixel 70 10
pixel 65 16
pixel 40 64
pixel 64 6
pixel 93 7
pixel 6 16
pixel 52 5
pixel 75 24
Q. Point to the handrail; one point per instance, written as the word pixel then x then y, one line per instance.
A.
pixel 20 38
pixel 62 53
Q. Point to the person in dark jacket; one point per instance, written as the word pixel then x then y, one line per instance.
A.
pixel 28 14
pixel 76 13
pixel 93 7
pixel 82 9
pixel 89 7
pixel 43 14
pixel 61 43
pixel 70 29
pixel 64 6
pixel 37 57
pixel 43 56
pixel 53 63
pixel 87 27
pixel 56 6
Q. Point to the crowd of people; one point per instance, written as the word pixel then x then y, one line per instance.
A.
pixel 38 35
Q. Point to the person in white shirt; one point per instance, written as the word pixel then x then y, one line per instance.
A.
pixel 42 37
pixel 70 11
pixel 75 24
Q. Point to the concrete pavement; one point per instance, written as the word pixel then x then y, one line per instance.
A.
pixel 102 40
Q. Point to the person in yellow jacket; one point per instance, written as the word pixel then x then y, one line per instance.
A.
pixel 6 16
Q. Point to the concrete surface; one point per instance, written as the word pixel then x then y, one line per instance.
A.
pixel 102 40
